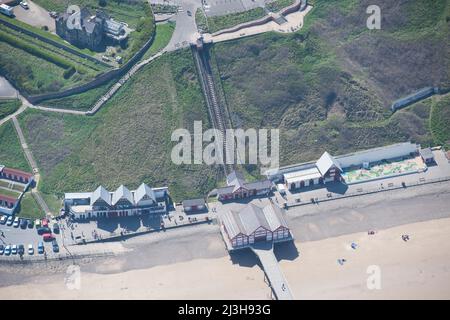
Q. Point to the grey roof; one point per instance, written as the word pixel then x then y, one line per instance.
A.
pixel 142 191
pixel 426 153
pixel 230 220
pixel 193 202
pixel 258 185
pixel 102 194
pixel 252 217
pixel 236 179
pixel 122 192
pixel 224 190
pixel 274 217
pixel 325 162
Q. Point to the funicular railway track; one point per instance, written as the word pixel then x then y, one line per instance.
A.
pixel 217 112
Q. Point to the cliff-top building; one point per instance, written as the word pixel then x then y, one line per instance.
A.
pixel 90 31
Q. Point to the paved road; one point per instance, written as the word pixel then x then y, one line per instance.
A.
pixel 6 89
pixel 35 16
pixel 370 212
pixel 185 30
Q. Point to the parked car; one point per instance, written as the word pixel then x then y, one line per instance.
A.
pixel 37 223
pixel 30 223
pixel 43 230
pixel 14 249
pixel 23 223
pixel 45 222
pixel 30 249
pixel 3 219
pixel 16 222
pixel 7 250
pixel 24 5
pixel 21 249
pixel 56 228
pixel 10 221
pixel 48 237
pixel 41 248
pixel 2 249
pixel 53 14
pixel 55 246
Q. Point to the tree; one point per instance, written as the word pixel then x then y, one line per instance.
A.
pixel 102 3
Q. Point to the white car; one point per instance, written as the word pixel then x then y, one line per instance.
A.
pixel 30 249
pixel 24 5
pixel 7 250
pixel 10 221
pixel 16 222
pixel 14 249
pixel 3 219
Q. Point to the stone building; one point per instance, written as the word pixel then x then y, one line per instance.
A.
pixel 88 30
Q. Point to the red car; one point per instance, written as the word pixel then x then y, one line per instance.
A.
pixel 44 222
pixel 48 237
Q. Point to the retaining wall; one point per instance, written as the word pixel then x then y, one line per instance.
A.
pixel 292 8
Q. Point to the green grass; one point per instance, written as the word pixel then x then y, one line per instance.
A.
pixel 126 11
pixel 11 154
pixel 201 20
pixel 163 34
pixel 163 8
pixel 34 75
pixel 8 106
pixel 217 23
pixel 53 202
pixel 6 184
pixel 137 14
pixel 81 101
pixel 440 120
pixel 128 140
pixel 329 85
pixel 85 101
pixel 29 208
pixel 277 5
pixel 9 193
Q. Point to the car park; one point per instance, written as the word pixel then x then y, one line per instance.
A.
pixel 56 228
pixel 7 250
pixel 43 230
pixel 16 222
pixel 23 223
pixel 2 249
pixel 55 246
pixel 3 219
pixel 20 249
pixel 10 221
pixel 41 248
pixel 30 249
pixel 30 223
pixel 24 5
pixel 14 249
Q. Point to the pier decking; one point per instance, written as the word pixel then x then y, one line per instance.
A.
pixel 277 281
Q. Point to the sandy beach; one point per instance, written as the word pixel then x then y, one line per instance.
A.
pixel 418 268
